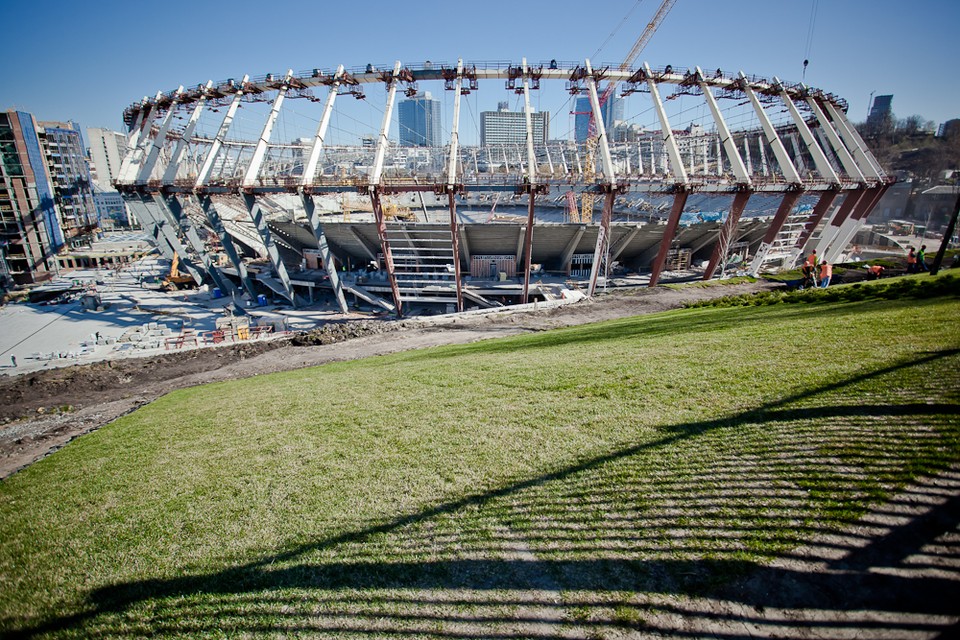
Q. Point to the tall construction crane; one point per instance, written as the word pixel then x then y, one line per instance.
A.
pixel 587 198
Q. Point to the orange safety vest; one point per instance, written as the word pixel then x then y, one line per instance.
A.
pixel 826 270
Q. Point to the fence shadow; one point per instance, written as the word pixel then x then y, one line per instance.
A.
pixel 618 543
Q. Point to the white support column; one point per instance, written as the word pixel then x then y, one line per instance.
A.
pixel 729 145
pixel 309 206
pixel 382 142
pixel 602 142
pixel 601 249
pixel 143 176
pixel 531 180
pixel 172 209
pixel 862 156
pixel 786 166
pixel 528 117
pixel 216 223
pixel 131 162
pixel 849 164
pixel 170 175
pixel 221 136
pixel 260 152
pixel 455 132
pixel 676 162
pixel 311 167
pixel 325 254
pixel 819 157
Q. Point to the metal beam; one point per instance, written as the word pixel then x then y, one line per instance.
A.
pixel 454 239
pixel 832 228
pixel 204 173
pixel 676 162
pixel 855 221
pixel 259 220
pixel 567 256
pixel 382 141
pixel 602 142
pixel 216 223
pixel 729 144
pixel 171 206
pixel 783 159
pixel 452 182
pixel 325 254
pixel 138 143
pixel 170 174
pixel 819 157
pixel 849 164
pixel 861 155
pixel 786 205
pixel 819 211
pixel 169 233
pixel 368 247
pixel 679 201
pixel 311 167
pixel 531 182
pixel 726 233
pixel 385 246
pixel 455 130
pixel 143 176
pixel 617 248
pixel 603 244
pixel 260 151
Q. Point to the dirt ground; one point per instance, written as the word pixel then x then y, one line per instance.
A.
pixel 854 584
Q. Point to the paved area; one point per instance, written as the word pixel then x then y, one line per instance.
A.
pixel 42 336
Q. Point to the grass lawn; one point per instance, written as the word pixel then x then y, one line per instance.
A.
pixel 553 479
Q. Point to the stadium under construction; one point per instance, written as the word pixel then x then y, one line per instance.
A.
pixel 730 171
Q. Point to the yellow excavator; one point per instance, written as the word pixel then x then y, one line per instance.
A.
pixel 176 280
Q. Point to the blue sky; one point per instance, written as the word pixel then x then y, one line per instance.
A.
pixel 88 61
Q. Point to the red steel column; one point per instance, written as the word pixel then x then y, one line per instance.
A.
pixel 603 241
pixel 726 232
pixel 385 244
pixel 679 201
pixel 819 210
pixel 455 235
pixel 527 245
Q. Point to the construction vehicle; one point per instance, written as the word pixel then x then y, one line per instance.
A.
pixel 174 281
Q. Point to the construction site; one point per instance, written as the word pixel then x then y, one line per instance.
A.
pixel 714 173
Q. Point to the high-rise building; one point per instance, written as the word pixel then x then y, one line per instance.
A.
pixel 45 194
pixel 107 150
pixel 612 113
pixel 881 111
pixel 69 171
pixel 420 121
pixel 510 127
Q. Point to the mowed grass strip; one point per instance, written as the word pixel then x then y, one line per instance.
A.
pixel 663 453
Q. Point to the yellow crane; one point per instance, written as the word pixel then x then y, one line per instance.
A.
pixel 587 198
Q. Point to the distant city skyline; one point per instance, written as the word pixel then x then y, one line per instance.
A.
pixel 92 62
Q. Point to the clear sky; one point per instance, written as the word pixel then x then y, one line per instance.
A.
pixel 87 61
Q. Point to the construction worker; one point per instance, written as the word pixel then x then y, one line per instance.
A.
pixel 826 272
pixel 911 261
pixel 812 261
pixel 922 258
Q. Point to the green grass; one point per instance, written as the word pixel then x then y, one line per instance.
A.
pixel 455 491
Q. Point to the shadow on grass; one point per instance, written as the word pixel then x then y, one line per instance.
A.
pixel 604 545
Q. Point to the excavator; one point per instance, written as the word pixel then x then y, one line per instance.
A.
pixel 176 280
